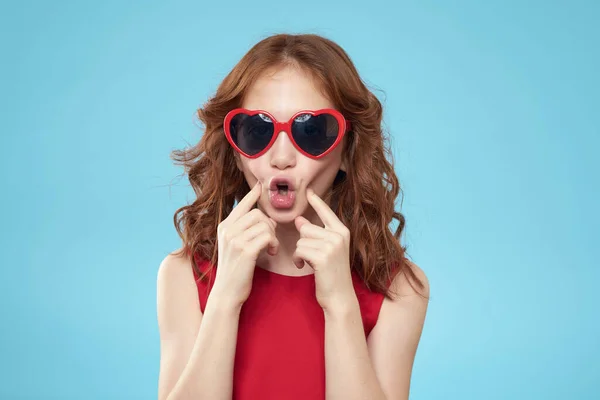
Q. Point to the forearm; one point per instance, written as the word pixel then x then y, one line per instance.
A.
pixel 349 373
pixel 209 371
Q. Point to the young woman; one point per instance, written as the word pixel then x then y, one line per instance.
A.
pixel 313 296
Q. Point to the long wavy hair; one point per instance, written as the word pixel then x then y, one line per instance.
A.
pixel 362 197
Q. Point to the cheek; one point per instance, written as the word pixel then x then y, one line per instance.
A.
pixel 321 174
pixel 253 169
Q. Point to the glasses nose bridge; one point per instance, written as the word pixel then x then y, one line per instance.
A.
pixel 285 127
pixel 282 126
pixel 282 153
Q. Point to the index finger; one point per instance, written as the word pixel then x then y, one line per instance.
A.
pixel 325 213
pixel 246 204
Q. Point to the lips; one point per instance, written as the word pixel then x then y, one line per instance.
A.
pixel 280 182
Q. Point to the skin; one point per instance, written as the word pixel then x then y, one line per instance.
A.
pixel 376 367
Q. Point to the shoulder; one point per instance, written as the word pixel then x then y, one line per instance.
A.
pixel 394 341
pixel 176 288
pixel 179 317
pixel 175 269
pixel 408 302
pixel 404 285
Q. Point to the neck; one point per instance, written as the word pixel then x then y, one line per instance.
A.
pixel 288 237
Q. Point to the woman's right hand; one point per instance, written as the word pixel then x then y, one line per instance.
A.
pixel 241 237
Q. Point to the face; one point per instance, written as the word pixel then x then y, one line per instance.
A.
pixel 283 92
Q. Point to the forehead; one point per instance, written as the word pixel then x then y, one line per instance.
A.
pixel 285 91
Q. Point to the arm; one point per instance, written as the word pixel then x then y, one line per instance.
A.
pixel 380 367
pixel 349 373
pixel 196 358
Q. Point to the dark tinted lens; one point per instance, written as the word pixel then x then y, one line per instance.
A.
pixel 251 133
pixel 315 134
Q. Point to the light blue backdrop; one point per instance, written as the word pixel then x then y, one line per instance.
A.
pixel 493 107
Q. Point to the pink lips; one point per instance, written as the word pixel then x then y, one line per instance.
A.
pixel 282 201
pixel 279 200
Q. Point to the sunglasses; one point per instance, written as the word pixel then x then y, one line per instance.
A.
pixel 314 133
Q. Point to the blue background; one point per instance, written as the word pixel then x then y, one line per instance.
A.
pixel 493 108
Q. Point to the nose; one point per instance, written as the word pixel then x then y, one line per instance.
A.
pixel 283 153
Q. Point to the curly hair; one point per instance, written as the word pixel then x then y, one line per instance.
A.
pixel 362 197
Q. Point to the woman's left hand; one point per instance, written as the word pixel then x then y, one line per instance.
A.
pixel 326 250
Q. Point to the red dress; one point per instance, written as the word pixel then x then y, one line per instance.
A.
pixel 280 350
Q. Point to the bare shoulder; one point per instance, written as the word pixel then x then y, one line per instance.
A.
pixel 177 294
pixel 179 318
pixel 175 269
pixel 394 340
pixel 405 312
pixel 403 286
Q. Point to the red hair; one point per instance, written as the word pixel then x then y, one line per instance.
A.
pixel 362 197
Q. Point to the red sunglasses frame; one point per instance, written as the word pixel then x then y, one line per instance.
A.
pixel 343 127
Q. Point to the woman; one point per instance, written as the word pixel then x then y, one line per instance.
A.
pixel 313 296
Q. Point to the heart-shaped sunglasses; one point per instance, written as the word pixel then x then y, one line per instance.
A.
pixel 313 133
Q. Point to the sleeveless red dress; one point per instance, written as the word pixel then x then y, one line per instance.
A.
pixel 280 350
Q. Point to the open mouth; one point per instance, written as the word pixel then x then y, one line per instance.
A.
pixel 282 189
pixel 281 185
pixel 282 193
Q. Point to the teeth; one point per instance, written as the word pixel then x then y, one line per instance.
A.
pixel 283 191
